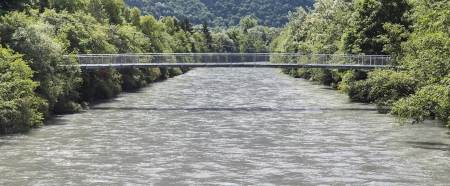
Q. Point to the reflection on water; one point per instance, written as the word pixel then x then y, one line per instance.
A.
pixel 429 145
pixel 228 127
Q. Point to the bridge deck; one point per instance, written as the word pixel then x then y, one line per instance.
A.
pixel 229 65
pixel 212 60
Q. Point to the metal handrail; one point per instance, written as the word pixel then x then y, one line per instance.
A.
pixel 234 58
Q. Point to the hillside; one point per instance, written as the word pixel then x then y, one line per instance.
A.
pixel 225 13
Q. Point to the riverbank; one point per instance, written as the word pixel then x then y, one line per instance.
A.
pixel 130 80
pixel 380 88
pixel 92 86
pixel 416 91
pixel 35 44
pixel 131 83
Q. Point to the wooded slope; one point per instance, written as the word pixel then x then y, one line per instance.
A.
pixel 225 13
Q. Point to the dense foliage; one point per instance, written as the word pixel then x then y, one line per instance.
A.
pixel 37 37
pixel 224 13
pixel 414 33
pixel 19 104
pixel 426 58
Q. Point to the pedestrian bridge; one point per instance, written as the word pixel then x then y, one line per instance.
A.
pixel 210 60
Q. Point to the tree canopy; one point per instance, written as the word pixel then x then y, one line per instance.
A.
pixel 224 13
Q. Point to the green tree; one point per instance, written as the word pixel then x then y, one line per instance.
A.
pixel 199 38
pixel 100 84
pixel 8 5
pixel 18 103
pixel 71 6
pixel 427 49
pixel 9 24
pixel 114 10
pixel 180 42
pixel 58 85
pixel 295 33
pixel 171 25
pixel 426 59
pixel 382 87
pixel 363 36
pixel 222 42
pixel 207 34
pixel 43 4
pixel 247 22
pixel 87 36
pixel 127 39
pixel 186 25
pixel 154 30
pixel 97 11
pixel 430 102
pixel 234 35
pixel 135 17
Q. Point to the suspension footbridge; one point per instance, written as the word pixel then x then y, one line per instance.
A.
pixel 211 60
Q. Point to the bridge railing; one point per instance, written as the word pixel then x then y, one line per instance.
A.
pixel 85 59
pixel 334 59
pixel 234 58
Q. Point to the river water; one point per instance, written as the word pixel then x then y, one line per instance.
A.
pixel 228 126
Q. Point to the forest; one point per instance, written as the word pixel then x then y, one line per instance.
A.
pixel 222 13
pixel 36 34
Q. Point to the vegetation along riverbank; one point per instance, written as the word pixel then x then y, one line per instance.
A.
pixel 34 39
pixel 414 33
pixel 35 35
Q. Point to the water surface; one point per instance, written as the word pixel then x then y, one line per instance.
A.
pixel 228 126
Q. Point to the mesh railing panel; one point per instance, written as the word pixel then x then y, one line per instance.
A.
pixel 274 58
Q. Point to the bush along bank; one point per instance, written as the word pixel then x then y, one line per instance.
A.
pixel 22 109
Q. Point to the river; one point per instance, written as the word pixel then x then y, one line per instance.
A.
pixel 228 126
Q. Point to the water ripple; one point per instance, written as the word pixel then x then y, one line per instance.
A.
pixel 227 127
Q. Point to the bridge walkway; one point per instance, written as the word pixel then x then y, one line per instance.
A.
pixel 232 60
